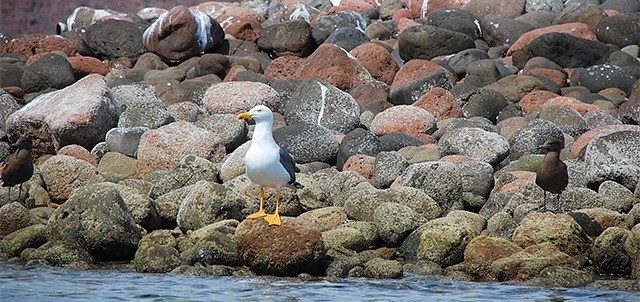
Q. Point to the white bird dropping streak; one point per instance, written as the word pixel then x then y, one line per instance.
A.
pixel 323 94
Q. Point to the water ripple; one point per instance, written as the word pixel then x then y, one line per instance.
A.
pixel 56 284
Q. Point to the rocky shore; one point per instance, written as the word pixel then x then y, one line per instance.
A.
pixel 417 127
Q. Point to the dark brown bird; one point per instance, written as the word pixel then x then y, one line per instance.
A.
pixel 18 167
pixel 552 174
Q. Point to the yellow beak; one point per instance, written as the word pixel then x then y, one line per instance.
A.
pixel 244 116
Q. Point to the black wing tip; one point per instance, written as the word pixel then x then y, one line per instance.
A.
pixel 297 185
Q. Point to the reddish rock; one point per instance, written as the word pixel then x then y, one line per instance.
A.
pixel 405 119
pixel 572 103
pixel 558 77
pixel 528 264
pixel 482 251
pixel 163 148
pixel 507 8
pixel 13 216
pixel 284 68
pixel 416 69
pixel 63 174
pixel 533 100
pixel 404 23
pixel 576 29
pixel 510 126
pixel 81 113
pixel 332 64
pixel 326 218
pixel 372 96
pixel 243 28
pixel 361 164
pixel 286 250
pixel 402 14
pixel 512 181
pixel 184 111
pixel 78 152
pixel 83 66
pixel 441 103
pixel 583 140
pixel 377 60
pixel 236 97
pixel 352 5
pixel 432 5
pixel 39 44
pixel 233 71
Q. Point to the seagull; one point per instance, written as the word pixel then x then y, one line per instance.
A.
pixel 266 163
pixel 18 167
pixel 552 174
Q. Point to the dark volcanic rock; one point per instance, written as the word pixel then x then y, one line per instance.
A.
pixel 112 39
pixel 456 20
pixel 567 50
pixel 291 38
pixel 49 71
pixel 358 141
pixel 427 42
pixel 620 30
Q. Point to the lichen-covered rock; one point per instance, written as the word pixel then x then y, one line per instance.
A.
pixel 292 248
pixel 96 217
pixel 214 244
pixel 474 142
pixel 530 262
pixel 440 180
pixel 141 106
pixel 209 202
pixel 560 230
pixel 443 240
pixel 363 199
pixel 32 236
pixel 141 206
pixel 395 221
pixel 383 269
pixel 63 174
pixel 60 253
pixel 187 171
pixel 163 148
pixel 157 253
pixel 610 255
pixel 482 251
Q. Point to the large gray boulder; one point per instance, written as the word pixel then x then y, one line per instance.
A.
pixel 97 218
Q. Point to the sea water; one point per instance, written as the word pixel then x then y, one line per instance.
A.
pixel 20 283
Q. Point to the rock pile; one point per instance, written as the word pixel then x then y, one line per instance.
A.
pixel 417 126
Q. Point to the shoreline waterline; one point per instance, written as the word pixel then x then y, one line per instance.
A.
pixel 36 283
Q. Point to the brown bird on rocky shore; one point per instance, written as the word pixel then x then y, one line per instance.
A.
pixel 552 174
pixel 18 167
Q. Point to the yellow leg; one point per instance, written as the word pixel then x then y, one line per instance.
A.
pixel 274 219
pixel 260 212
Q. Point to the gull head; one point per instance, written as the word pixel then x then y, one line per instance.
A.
pixel 258 113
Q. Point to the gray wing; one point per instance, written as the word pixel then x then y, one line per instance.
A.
pixel 287 162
